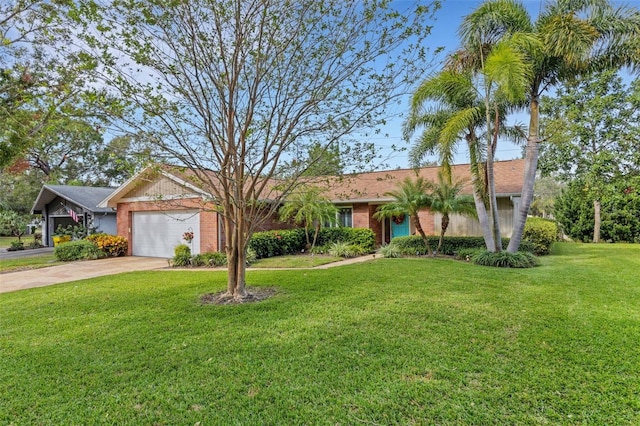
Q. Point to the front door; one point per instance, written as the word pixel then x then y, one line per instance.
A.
pixel 400 226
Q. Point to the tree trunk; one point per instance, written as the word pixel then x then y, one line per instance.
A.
pixel 530 168
pixel 416 223
pixel 444 224
pixel 597 221
pixel 236 255
pixel 315 235
pixel 493 204
pixel 478 194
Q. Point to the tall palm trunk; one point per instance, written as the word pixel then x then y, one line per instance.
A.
pixel 530 167
pixel 478 193
pixel 444 225
pixel 416 223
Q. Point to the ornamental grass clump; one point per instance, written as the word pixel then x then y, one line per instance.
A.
pixel 504 259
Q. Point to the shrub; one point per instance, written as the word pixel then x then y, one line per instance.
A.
pixel 216 258
pixel 78 250
pixel 467 253
pixel 542 233
pixel 16 245
pixel 346 250
pixel 291 241
pixel 364 237
pixel 505 259
pixel 182 255
pixel 111 245
pixel 319 250
pixel 390 250
pixel 413 245
pixel 251 256
pixel 277 243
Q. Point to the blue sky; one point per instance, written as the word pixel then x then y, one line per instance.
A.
pixel 444 33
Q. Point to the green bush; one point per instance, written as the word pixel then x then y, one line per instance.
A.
pixel 277 243
pixel 346 250
pixel 363 237
pixel 209 259
pixel 111 245
pixel 505 259
pixel 78 250
pixel 16 245
pixel 390 250
pixel 251 256
pixel 182 255
pixel 467 253
pixel 542 233
pixel 291 241
pixel 413 245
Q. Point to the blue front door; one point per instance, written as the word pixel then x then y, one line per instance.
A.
pixel 399 229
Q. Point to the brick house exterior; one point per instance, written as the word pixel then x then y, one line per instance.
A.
pixel 156 206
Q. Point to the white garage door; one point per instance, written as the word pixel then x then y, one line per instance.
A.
pixel 155 234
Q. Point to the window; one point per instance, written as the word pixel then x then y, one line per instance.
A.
pixel 345 217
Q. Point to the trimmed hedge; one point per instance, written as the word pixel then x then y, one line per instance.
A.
pixel 413 244
pixel 277 243
pixel 290 241
pixel 542 233
pixel 78 250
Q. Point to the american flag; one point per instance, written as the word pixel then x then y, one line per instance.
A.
pixel 73 214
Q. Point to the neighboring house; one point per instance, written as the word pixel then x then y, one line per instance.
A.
pixel 61 205
pixel 158 205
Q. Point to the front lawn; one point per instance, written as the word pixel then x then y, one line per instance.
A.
pixel 28 262
pixel 392 341
pixel 294 261
pixel 5 242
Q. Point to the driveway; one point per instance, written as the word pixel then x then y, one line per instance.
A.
pixel 21 280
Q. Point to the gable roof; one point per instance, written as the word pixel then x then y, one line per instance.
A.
pixel 149 174
pixel 371 186
pixel 361 187
pixel 86 197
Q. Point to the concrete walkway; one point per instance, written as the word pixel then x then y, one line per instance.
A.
pixel 21 280
pixel 58 274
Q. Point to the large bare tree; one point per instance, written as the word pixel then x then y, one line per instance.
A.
pixel 233 89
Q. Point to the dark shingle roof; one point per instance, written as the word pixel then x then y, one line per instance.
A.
pixel 86 197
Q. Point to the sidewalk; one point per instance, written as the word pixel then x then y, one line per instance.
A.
pixel 58 274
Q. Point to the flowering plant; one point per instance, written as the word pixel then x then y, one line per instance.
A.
pixel 187 236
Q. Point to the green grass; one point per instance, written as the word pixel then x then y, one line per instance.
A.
pixel 294 261
pixel 5 242
pixel 393 341
pixel 29 262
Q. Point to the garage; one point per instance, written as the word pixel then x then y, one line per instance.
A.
pixel 156 233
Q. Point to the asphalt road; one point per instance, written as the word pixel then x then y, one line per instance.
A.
pixel 4 254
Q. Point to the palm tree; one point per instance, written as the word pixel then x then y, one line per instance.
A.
pixel 410 197
pixel 472 105
pixel 308 208
pixel 575 36
pixel 446 199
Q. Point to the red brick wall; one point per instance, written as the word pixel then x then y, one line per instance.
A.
pixel 376 226
pixel 361 215
pixel 426 220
